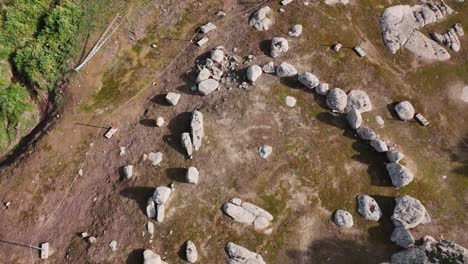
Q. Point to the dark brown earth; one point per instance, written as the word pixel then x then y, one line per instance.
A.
pixel 318 165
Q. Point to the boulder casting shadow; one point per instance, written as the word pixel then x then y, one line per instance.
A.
pixel 177 126
pixel 139 194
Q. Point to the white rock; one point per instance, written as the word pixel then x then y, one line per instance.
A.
pixel 150 228
pixel 113 245
pixel 202 41
pixel 151 209
pixel 155 158
pixel 161 194
pixel 343 218
pixel 204 74
pixel 238 213
pixel 149 257
pixel 121 153
pixel 92 239
pixel 404 110
pixel 265 151
pixel 279 46
pixel 322 89
pixel 173 98
pixel 128 171
pixel 187 143
pixel 217 55
pixel 359 100
pixel 261 223
pixel 207 27
pixel 259 19
pixel 253 72
pixel 236 201
pixel 368 208
pixel 295 31
pixel 257 211
pixel 270 68
pixel 379 121
pixel 192 175
pixel 309 80
pixel 409 212
pixel 399 174
pixel 159 121
pixel 196 127
pixel 160 213
pixel 286 70
pixel 191 252
pixel 285 2
pixel 208 86
pixel 290 101
pixel 337 99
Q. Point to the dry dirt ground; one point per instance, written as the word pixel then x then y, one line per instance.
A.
pixel 318 165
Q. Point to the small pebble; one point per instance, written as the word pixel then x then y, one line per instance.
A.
pixel 290 101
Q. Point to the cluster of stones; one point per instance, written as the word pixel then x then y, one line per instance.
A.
pixel 400 28
pixel 192 141
pixel 247 213
pixel 450 38
pixel 157 203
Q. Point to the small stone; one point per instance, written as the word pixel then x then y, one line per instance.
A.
pixel 122 151
pixel 399 174
pixel 202 41
pixel 192 175
pixel 253 72
pixel 217 55
pixel 173 98
pixel 359 100
pixel 80 172
pixel 409 212
pixel 379 120
pixel 150 228
pixel 113 245
pixel 191 252
pixel 265 151
pixel 92 240
pixel 151 208
pixel 295 31
pixel 206 87
pixel 84 234
pixel 322 89
pixel 309 80
pixel 160 213
pixel 149 257
pixel 260 20
pixel 286 70
pixel 238 213
pixel 290 101
pixel 161 194
pixel 366 133
pixel 207 27
pixel 187 143
pixel 204 74
pixel 354 118
pixel 196 127
pixel 159 121
pixel 220 13
pixel 379 145
pixel 404 110
pixel 279 46
pixel 155 158
pixel 128 171
pixel 270 68
pixel 343 218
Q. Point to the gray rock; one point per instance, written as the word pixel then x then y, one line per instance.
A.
pixel 368 208
pixel 379 145
pixel 404 110
pixel 295 31
pixel 155 158
pixel 150 228
pixel 196 127
pixel 253 72
pixel 290 101
pixel 265 151
pixel 207 27
pixel 402 237
pixel 394 156
pixel 354 118
pixel 260 20
pixel 240 254
pixel 160 212
pixel 285 70
pixel 191 252
pixel 365 133
pixel 322 89
pixel 279 46
pixel 399 174
pixel 217 55
pixel 410 256
pixel 173 98
pixel 459 29
pixel 192 175
pixel 337 99
pixel 149 257
pixel 309 80
pixel 208 86
pixel 236 201
pixel 257 211
pixel 187 143
pixel 444 251
pixel 359 100
pixel 161 194
pixel 269 67
pixel 238 213
pixel 128 171
pixel 151 208
pixel 409 212
pixel 261 223
pixel 204 74
pixel 343 218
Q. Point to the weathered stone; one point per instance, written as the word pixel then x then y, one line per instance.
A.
pixel 196 126
pixel 459 29
pixel 160 212
pixel 269 67
pixel 379 120
pixel 425 48
pixel 253 72
pixel 217 55
pixel 151 208
pixel 257 211
pixel 238 213
pixel 368 208
pixel 409 212
pixel 337 99
pixel 285 70
pixel 261 223
pixel 394 156
pixel 155 158
pixel 113 245
pixel 399 174
pixel 290 101
pixel 236 201
pixel 149 257
pixel 379 145
pixel 187 143
pixel 191 252
pixel 365 133
pixel 359 100
pixel 265 151
pixel 204 74
pixel 159 121
pixel 309 80
pixel 295 31
pixel 150 228
pixel 343 218
pixel 192 175
pixel 279 46
pixel 161 194
pixel 259 19
pixel 404 110
pixel 172 98
pixel 207 27
pixel 128 171
pixel 322 89
pixel 354 118
pixel 242 255
pixel 402 237
pixel 208 86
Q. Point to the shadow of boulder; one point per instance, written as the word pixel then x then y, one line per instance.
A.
pixel 160 99
pixel 135 257
pixel 177 126
pixel 148 122
pixel 139 194
pixel 177 174
pixel 265 47
pixel 376 163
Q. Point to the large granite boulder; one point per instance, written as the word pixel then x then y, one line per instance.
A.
pixel 359 100
pixel 399 174
pixel 343 218
pixel 404 110
pixel 309 80
pixel 279 46
pixel 337 99
pixel 260 20
pixel 409 212
pixel 368 208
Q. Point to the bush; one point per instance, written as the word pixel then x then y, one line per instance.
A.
pixel 14 101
